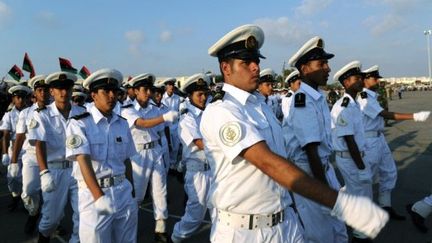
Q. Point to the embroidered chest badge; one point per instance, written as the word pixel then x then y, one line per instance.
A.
pixel 73 141
pixel 32 124
pixel 341 121
pixel 230 133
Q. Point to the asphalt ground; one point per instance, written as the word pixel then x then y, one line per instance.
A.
pixel 409 141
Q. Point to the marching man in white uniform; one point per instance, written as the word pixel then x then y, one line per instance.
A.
pixel 265 88
pixel 197 178
pixel 307 134
pixel 243 144
pixel 30 170
pixel 47 132
pixel 8 127
pixel 293 80
pixel 348 137
pixel 172 101
pixel 148 165
pixel 378 153
pixel 101 143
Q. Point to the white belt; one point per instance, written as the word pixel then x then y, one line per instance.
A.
pixel 105 182
pixel 59 164
pixel 372 134
pixel 249 221
pixel 346 154
pixel 197 166
pixel 145 146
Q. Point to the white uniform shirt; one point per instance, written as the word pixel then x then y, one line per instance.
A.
pixel 228 127
pixel 162 110
pixel 141 135
pixel 49 126
pixel 371 109
pixel 109 143
pixel 286 104
pixel 173 103
pixel 347 121
pixel 188 131
pixel 24 119
pixel 308 124
pixel 9 122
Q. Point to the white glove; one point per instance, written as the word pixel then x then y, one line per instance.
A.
pixel 170 116
pixel 13 170
pixel 47 181
pixel 5 159
pixel 104 205
pixel 421 116
pixel 364 176
pixel 360 213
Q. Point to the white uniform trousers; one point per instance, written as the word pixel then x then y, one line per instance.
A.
pixel 353 186
pixel 55 202
pixel 121 226
pixel 31 185
pixel 383 166
pixel 165 152
pixel 197 184
pixel 175 145
pixel 288 231
pixel 319 225
pixel 148 166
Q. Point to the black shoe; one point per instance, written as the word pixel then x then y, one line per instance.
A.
pixel 161 238
pixel 31 224
pixel 417 219
pixel 360 240
pixel 43 239
pixel 14 203
pixel 392 213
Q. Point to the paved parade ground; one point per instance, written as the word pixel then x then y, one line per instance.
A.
pixel 409 141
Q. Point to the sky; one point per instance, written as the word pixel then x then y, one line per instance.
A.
pixel 171 38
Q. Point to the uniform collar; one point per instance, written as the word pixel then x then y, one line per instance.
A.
pixel 54 111
pixel 137 106
pixel 352 101
pixel 193 109
pixel 370 92
pixel 310 91
pixel 239 94
pixel 97 115
pixel 165 95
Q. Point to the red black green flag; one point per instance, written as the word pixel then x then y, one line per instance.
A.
pixel 28 66
pixel 16 73
pixel 84 72
pixel 66 66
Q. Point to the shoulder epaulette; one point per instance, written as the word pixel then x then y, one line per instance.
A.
pixel 345 102
pixel 288 95
pixel 363 95
pixel 127 106
pixel 184 111
pixel 82 106
pixel 80 116
pixel 39 109
pixel 218 96
pixel 121 117
pixel 299 100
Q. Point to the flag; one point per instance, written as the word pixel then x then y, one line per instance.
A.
pixel 16 73
pixel 84 72
pixel 28 66
pixel 66 66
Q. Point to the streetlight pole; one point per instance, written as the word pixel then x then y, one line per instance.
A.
pixel 428 33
